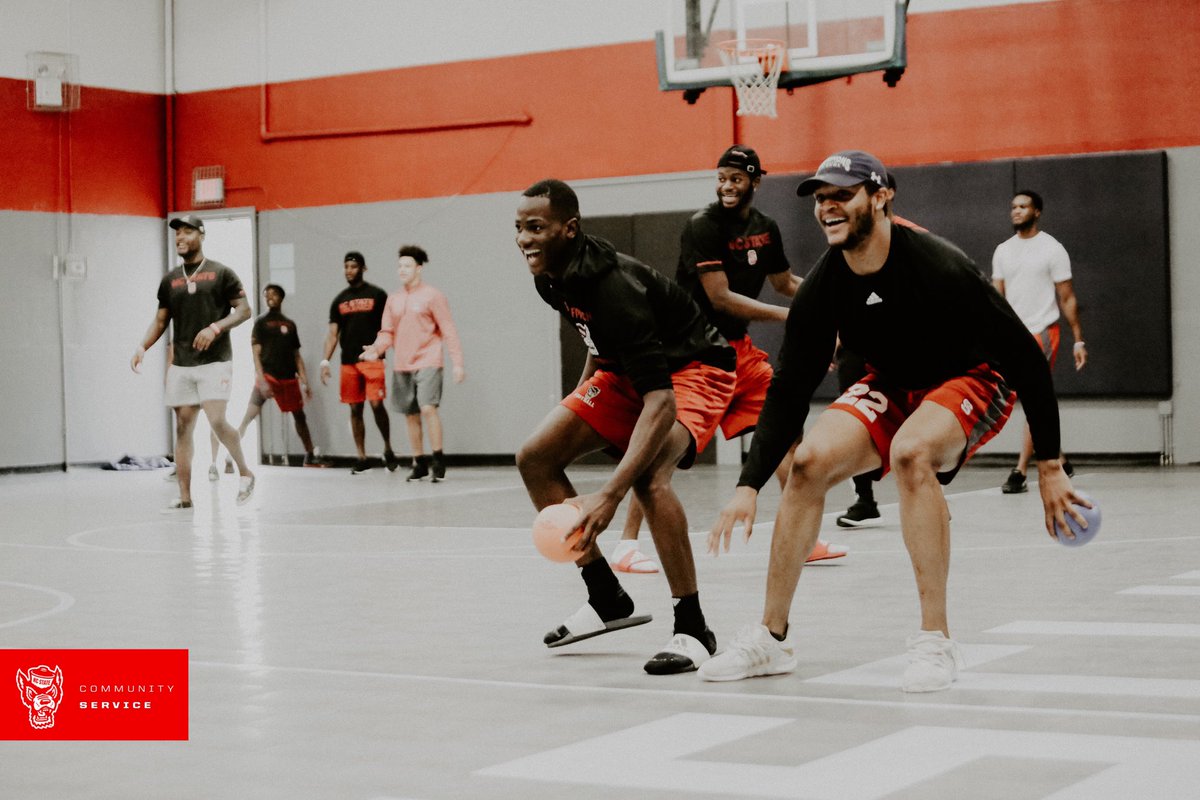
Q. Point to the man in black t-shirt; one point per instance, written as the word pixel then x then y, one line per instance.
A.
pixel 204 300
pixel 728 250
pixel 279 370
pixel 943 349
pixel 657 380
pixel 355 317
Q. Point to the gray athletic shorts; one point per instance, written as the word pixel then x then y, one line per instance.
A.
pixel 412 391
pixel 191 386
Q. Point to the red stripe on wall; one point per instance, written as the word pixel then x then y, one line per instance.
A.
pixel 1075 76
pixel 104 158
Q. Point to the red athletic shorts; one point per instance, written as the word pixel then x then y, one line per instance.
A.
pixel 753 379
pixel 1048 339
pixel 611 405
pixel 286 393
pixel 981 401
pixel 365 380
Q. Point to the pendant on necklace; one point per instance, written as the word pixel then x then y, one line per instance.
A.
pixel 191 287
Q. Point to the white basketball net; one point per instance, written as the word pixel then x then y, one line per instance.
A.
pixel 754 66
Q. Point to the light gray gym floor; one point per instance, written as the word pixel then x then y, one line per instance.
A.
pixel 361 638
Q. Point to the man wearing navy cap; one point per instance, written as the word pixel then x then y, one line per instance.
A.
pixel 928 401
pixel 205 300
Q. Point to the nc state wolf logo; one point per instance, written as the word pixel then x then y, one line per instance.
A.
pixel 41 692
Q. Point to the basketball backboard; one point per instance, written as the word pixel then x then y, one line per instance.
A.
pixel 825 39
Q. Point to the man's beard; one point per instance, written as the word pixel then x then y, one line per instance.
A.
pixel 1021 227
pixel 860 230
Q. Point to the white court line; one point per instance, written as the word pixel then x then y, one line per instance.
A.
pixel 1183 630
pixel 1178 591
pixel 715 695
pixel 65 601
pixel 886 672
pixel 1194 575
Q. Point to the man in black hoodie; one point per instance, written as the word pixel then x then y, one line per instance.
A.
pixel 656 383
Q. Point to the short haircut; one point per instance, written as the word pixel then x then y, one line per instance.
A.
pixel 276 287
pixel 417 254
pixel 563 200
pixel 1032 195
pixel 354 255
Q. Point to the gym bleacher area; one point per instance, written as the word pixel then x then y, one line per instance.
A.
pixel 363 637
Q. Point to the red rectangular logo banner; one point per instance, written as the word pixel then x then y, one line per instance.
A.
pixel 94 694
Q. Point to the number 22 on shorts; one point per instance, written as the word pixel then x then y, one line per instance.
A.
pixel 870 403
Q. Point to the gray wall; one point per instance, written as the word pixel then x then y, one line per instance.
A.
pixel 109 411
pixel 509 336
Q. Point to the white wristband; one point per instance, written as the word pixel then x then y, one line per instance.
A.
pixel 324 363
pixel 1078 345
pixel 216 329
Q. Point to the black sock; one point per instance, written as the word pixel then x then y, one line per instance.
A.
pixel 689 618
pixel 776 636
pixel 864 489
pixel 605 594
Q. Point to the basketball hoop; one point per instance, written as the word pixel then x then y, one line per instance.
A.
pixel 754 66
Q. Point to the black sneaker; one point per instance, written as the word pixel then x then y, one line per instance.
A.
pixel 439 467
pixel 1068 467
pixel 420 468
pixel 1015 483
pixel 393 463
pixel 863 514
pixel 360 466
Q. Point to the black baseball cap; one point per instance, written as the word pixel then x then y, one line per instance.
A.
pixel 191 220
pixel 846 169
pixel 743 158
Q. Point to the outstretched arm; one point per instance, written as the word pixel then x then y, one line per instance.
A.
pixel 727 301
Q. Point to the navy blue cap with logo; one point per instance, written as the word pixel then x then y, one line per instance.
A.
pixel 847 168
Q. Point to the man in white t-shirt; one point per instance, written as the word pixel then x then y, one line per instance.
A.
pixel 1033 271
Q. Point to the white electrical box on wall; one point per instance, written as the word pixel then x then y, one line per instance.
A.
pixel 70 268
pixel 53 81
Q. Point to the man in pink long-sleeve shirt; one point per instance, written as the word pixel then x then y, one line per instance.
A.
pixel 416 321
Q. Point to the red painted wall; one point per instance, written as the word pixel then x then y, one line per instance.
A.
pixel 105 158
pixel 1065 77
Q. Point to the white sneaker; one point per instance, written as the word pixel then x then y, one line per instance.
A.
pixel 177 506
pixel 753 652
pixel 933 662
pixel 213 475
pixel 170 476
pixel 245 489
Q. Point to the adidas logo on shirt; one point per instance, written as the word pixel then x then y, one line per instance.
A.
pixel 874 299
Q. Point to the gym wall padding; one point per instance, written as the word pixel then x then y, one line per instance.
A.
pixel 1109 211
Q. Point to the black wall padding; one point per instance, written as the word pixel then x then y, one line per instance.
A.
pixel 1109 211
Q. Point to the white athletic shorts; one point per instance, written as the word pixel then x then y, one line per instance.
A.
pixel 191 386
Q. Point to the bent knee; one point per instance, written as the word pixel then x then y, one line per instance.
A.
pixel 816 465
pixel 913 454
